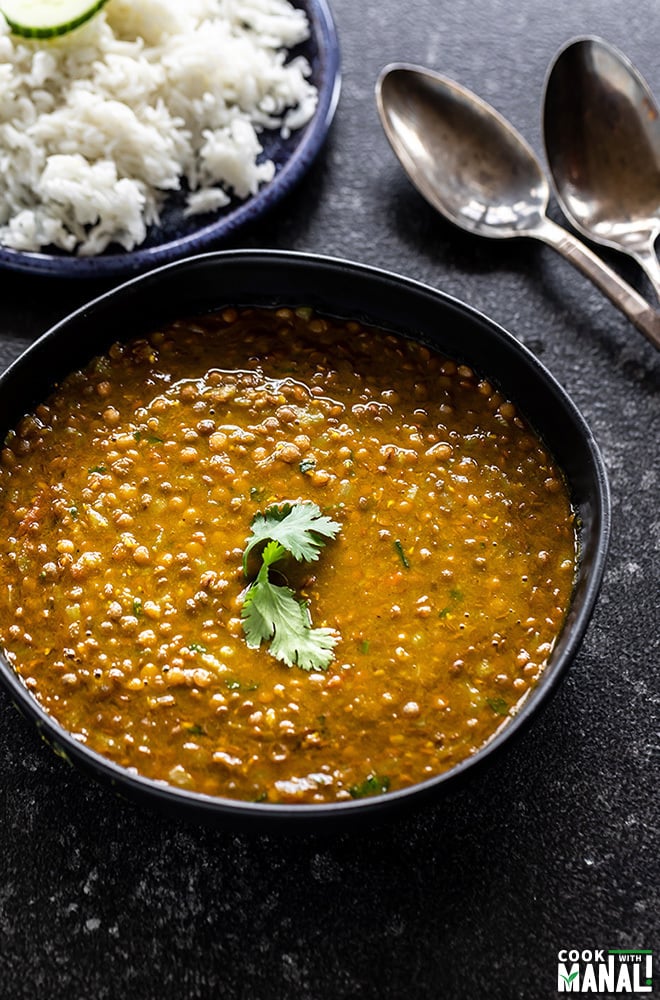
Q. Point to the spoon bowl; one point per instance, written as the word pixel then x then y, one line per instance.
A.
pixel 602 138
pixel 465 159
pixel 473 167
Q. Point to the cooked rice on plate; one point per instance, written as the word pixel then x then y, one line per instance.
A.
pixel 149 96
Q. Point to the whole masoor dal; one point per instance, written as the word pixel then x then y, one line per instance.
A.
pixel 126 501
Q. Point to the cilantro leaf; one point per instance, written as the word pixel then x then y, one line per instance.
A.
pixel 272 554
pixel 267 607
pixel 299 528
pixel 310 649
pixel 271 612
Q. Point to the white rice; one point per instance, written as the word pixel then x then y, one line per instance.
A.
pixel 97 126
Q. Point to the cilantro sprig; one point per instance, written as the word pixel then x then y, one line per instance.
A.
pixel 299 528
pixel 272 612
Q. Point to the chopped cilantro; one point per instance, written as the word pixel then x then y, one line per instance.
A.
pixel 364 646
pixel 455 594
pixel 101 469
pixel 233 684
pixel 73 511
pixel 307 465
pixel 498 705
pixel 196 647
pixel 195 730
pixel 402 555
pixel 137 607
pixel 374 784
pixel 149 438
pixel 273 613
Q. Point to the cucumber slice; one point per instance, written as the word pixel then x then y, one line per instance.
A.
pixel 47 18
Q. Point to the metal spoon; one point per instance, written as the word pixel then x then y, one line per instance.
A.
pixel 602 140
pixel 475 169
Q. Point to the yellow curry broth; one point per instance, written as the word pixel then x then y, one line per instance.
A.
pixel 126 502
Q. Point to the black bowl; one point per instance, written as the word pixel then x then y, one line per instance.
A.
pixel 347 290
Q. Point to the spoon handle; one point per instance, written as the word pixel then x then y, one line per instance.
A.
pixel 649 262
pixel 618 291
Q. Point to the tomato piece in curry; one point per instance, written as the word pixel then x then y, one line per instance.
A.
pixel 126 501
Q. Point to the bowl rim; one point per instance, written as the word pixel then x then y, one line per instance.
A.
pixel 243 812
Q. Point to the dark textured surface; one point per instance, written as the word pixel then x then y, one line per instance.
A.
pixel 556 845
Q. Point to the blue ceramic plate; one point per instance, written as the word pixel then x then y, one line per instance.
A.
pixel 177 236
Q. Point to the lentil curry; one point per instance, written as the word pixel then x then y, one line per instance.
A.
pixel 126 502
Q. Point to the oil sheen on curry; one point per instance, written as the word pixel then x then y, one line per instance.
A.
pixel 127 502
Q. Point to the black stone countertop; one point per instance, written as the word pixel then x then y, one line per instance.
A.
pixel 556 844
